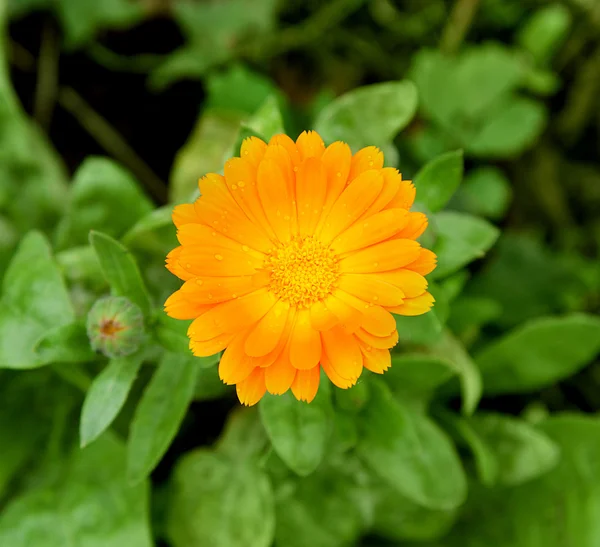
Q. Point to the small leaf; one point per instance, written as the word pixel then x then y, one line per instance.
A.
pixel 219 503
pixel 120 270
pixel 461 239
pixel 298 430
pixel 539 353
pixel 267 120
pixel 368 115
pixel 160 413
pixel 439 179
pixel 410 453
pixel 106 396
pixel 67 344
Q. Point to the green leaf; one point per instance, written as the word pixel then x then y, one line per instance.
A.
pixel 101 191
pixel 209 385
pixel 120 270
pixel 410 453
pixel 439 179
pixel 88 504
pixel 34 301
pixel 244 436
pixel 555 510
pixel 216 502
pixel 160 413
pixel 370 115
pixel 298 431
pixel 67 344
pixel 539 353
pixel 485 192
pixel 106 396
pixel 147 231
pixel 521 451
pixel 267 120
pixel 461 238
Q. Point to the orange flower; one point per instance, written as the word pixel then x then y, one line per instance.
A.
pixel 296 259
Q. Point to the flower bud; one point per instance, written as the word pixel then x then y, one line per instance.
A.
pixel 115 326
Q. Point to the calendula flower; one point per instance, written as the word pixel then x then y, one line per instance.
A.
pixel 294 261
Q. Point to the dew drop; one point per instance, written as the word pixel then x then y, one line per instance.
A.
pixel 241 184
pixel 245 248
pixel 199 282
pixel 234 295
pixel 188 265
pixel 233 187
pixel 375 264
pixel 210 296
pixel 219 257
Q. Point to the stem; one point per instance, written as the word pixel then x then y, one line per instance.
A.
pixel 458 25
pixel 73 375
pixel 111 140
pixel 47 76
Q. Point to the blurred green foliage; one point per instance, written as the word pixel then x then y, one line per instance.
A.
pixel 492 107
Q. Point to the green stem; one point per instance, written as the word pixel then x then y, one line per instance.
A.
pixel 458 25
pixel 73 375
pixel 47 76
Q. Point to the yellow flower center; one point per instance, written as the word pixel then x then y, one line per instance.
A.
pixel 303 271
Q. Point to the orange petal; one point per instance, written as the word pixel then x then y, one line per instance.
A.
pixel 391 183
pixel 354 201
pixel 416 224
pixel 252 389
pixel 371 289
pixel 232 316
pixel 265 336
pixel 280 375
pixel 375 229
pixel 306 384
pixel 212 346
pixel 321 317
pixel 213 290
pixel 375 319
pixel 172 264
pixel 252 150
pixel 336 379
pixel 336 162
pixel 235 366
pixel 305 343
pixel 364 160
pixel 184 214
pixel 310 145
pixel 349 318
pixel 411 283
pixel 289 145
pixel 274 193
pixel 380 342
pixel 389 255
pixel 376 360
pixel 415 306
pixel 178 307
pixel 311 187
pixel 405 197
pixel 200 234
pixel 424 264
pixel 217 261
pixel 342 352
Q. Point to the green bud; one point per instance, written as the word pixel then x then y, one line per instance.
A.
pixel 115 326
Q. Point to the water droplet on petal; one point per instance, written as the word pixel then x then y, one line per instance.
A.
pixel 241 184
pixel 245 248
pixel 219 257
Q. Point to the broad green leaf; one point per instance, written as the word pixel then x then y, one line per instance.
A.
pixel 81 265
pixel 539 353
pixel 509 129
pixel 439 179
pixel 298 430
pixel 461 238
pixel 204 152
pixel 409 452
pixel 34 301
pixel 370 115
pixel 244 436
pixel 209 385
pixel 220 503
pixel 87 504
pixel 120 270
pixel 160 413
pixel 104 197
pixel 485 192
pixel 67 344
pixel 267 120
pixel 106 396
pixel 555 510
pixel 148 232
pixel 520 450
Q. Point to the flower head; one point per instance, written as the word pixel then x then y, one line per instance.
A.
pixel 294 261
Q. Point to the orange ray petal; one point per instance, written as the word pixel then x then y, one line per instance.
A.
pixel 349 318
pixel 213 290
pixel 310 145
pixel 321 317
pixel 184 214
pixel 411 283
pixel 342 352
pixel 274 193
pixel 391 183
pixel 289 145
pixel 375 319
pixel 217 261
pixel 416 224
pixel 367 232
pixel 389 255
pixel 253 150
pixel 306 384
pixel 200 234
pixel 336 379
pixel 354 201
pixel 311 187
pixel 371 289
pixel 305 343
pixel 424 264
pixel 172 264
pixel 265 336
pixel 379 342
pixel 405 197
pixel 212 346
pixel 178 306
pixel 235 366
pixel 252 389
pixel 280 375
pixel 364 160
pixel 376 360
pixel 415 306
